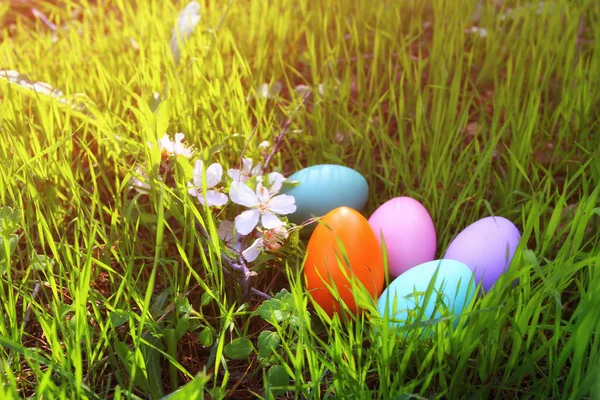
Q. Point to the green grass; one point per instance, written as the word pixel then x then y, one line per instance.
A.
pixel 505 124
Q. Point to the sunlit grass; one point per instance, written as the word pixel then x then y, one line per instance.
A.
pixel 132 301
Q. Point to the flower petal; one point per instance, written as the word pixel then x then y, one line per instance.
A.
pixel 262 193
pixel 225 231
pixel 179 137
pixel 238 245
pixel 257 170
pixel 140 181
pixel 214 173
pixel 166 144
pixel 276 181
pixel 242 195
pixel 193 190
pixel 270 221
pixel 139 185
pixel 215 198
pixel 252 252
pixel 282 204
pixel 246 166
pixel 236 175
pixel 198 168
pixel 246 221
pixel 264 145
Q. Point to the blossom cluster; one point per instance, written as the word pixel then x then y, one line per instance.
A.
pixel 262 220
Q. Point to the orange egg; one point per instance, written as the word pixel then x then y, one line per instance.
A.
pixel 363 254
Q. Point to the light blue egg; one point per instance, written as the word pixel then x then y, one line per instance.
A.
pixel 324 188
pixel 453 290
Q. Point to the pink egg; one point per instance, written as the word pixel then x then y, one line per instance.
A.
pixel 408 232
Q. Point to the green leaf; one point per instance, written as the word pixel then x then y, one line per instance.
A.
pixel 333 158
pixel 183 306
pixel 215 149
pixel 270 311
pixel 279 309
pixel 206 299
pixel 64 310
pixel 185 168
pixel 283 294
pixel 183 325
pixel 192 390
pixel 277 380
pixel 171 340
pixel 217 392
pixel 206 337
pixel 159 302
pixel 154 101
pixel 531 257
pixel 118 317
pixel 195 324
pixel 163 117
pixel 4 253
pixel 152 359
pixel 267 343
pixel 41 262
pixel 125 354
pixel 9 220
pixel 238 349
pixel 290 183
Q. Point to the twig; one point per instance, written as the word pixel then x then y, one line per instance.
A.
pixel 238 269
pixel 43 18
pixel 248 288
pixel 36 291
pixel 284 130
pixel 248 142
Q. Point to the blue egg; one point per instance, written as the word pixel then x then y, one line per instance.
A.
pixel 453 290
pixel 324 188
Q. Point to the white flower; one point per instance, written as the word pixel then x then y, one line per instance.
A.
pixel 246 172
pixel 140 181
pixel 175 148
pixel 252 252
pixel 482 32
pixel 270 240
pixel 302 89
pixel 225 232
pixel 321 89
pixel 264 145
pixel 213 176
pixel 275 182
pixel 263 205
pixel 266 91
pixel 186 23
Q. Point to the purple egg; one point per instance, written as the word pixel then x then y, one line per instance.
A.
pixel 408 231
pixel 487 247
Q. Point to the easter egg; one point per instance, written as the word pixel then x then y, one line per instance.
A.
pixel 408 231
pixel 362 259
pixel 323 188
pixel 487 247
pixel 406 294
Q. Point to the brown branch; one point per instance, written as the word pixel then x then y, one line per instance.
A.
pixel 238 269
pixel 36 291
pixel 286 126
pixel 43 18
